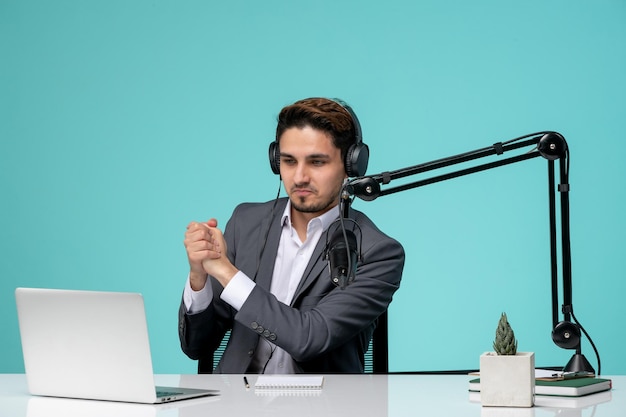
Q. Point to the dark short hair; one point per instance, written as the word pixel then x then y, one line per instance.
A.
pixel 322 114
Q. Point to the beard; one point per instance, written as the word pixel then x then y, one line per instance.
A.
pixel 316 207
pixel 313 204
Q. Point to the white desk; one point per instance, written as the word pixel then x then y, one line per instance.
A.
pixel 342 395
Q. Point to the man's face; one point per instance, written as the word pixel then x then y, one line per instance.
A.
pixel 311 169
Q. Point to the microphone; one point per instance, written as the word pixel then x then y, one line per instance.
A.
pixel 342 254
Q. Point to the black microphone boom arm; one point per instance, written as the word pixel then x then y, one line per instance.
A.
pixel 548 144
pixel 367 188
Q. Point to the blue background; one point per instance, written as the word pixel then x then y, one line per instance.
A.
pixel 121 121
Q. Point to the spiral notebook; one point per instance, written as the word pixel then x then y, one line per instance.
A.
pixel 289 382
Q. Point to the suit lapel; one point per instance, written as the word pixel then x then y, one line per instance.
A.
pixel 316 265
pixel 268 258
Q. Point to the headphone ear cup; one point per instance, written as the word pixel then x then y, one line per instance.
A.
pixel 274 155
pixel 566 335
pixel 357 158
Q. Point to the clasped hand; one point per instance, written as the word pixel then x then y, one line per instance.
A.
pixel 206 252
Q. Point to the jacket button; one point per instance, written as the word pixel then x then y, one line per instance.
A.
pixel 250 352
pixel 254 325
pixel 272 336
pixel 266 333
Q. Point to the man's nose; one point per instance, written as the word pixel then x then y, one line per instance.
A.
pixel 301 174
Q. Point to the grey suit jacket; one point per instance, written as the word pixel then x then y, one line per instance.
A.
pixel 325 329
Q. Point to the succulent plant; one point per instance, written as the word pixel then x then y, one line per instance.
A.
pixel 505 342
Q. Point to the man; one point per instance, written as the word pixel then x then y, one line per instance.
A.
pixel 266 278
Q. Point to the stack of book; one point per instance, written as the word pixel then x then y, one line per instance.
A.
pixel 562 392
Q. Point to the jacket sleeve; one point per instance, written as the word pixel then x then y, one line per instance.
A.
pixel 201 333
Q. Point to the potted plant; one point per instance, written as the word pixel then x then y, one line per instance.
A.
pixel 507 377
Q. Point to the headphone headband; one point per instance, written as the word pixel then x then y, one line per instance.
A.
pixel 356 158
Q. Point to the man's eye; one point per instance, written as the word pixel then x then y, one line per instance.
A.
pixel 318 162
pixel 288 161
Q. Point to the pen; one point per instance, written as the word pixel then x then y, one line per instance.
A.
pixel 245 381
pixel 572 375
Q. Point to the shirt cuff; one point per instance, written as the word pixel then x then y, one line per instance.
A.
pixel 197 301
pixel 237 291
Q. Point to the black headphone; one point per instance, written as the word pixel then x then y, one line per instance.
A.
pixel 356 158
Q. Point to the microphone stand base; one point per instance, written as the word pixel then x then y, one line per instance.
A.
pixel 578 363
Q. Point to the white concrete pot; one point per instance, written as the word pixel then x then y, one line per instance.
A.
pixel 507 380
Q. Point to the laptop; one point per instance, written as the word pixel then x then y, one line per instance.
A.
pixel 90 345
